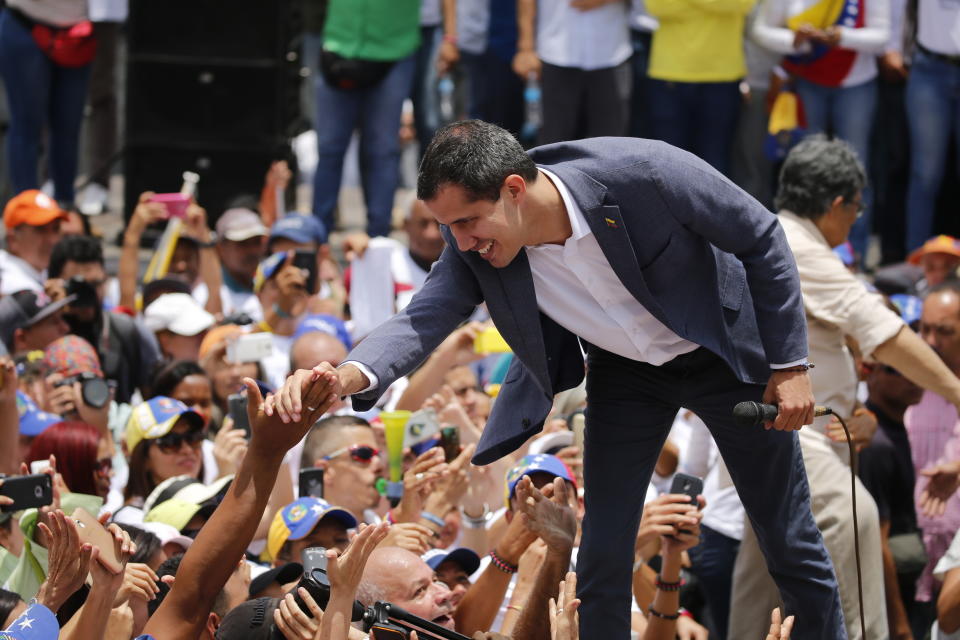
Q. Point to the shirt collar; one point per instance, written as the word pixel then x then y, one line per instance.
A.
pixel 578 223
pixel 806 224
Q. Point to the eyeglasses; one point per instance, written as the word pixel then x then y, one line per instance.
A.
pixel 859 204
pixel 172 442
pixel 359 452
pixel 103 466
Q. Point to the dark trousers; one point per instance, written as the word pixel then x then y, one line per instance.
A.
pixel 584 104
pixel 102 126
pixel 699 117
pixel 496 92
pixel 629 413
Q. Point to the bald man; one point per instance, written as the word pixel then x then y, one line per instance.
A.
pixel 402 578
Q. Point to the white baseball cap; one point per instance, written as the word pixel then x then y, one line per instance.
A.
pixel 178 313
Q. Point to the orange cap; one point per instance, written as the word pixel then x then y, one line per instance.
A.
pixel 939 244
pixel 31 207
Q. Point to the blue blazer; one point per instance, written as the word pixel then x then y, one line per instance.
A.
pixel 705 258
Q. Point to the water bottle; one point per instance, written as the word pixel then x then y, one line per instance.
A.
pixel 445 88
pixel 533 107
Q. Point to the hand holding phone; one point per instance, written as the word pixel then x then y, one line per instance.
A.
pixel 176 204
pixel 237 410
pixel 27 491
pixel 91 531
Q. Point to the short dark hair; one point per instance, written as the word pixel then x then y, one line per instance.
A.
pixel 147 542
pixel 815 172
pixel 475 155
pixel 82 249
pixel 169 374
pixel 8 602
pixel 322 432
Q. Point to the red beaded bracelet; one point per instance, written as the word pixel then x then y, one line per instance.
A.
pixel 669 586
pixel 502 564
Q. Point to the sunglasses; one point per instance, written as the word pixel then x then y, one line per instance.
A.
pixel 103 466
pixel 359 452
pixel 171 442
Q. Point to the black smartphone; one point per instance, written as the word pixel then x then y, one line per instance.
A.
pixel 387 631
pixel 27 491
pixel 311 482
pixel 237 409
pixel 450 442
pixel 688 485
pixel 307 260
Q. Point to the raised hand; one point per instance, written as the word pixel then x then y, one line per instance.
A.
pixel 345 571
pixel 139 581
pixel 551 518
pixel 779 630
pixel 418 481
pixel 292 622
pixel 666 516
pixel 289 402
pixel 564 619
pixel 944 479
pixel 269 432
pixel 68 561
pixel 411 536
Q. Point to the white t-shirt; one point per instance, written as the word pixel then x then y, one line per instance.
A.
pixel 232 301
pixel 17 275
pixel 938 26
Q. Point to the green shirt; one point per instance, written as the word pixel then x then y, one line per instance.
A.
pixel 383 30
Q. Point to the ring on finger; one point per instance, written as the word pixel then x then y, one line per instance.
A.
pixel 418 476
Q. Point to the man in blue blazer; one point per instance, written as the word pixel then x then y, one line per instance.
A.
pixel 681 290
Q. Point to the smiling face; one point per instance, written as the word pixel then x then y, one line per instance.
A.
pixel 407 581
pixel 495 230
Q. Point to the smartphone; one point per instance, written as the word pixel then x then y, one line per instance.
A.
pixel 490 341
pixel 421 426
pixel 687 484
pixel 176 204
pixel 96 534
pixel 307 260
pixel 311 482
pixel 39 466
pixel 578 423
pixel 237 410
pixel 250 347
pixel 450 443
pixel 387 631
pixel 27 491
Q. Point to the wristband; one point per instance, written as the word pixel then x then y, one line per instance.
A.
pixel 683 612
pixel 502 564
pixel 449 37
pixel 662 616
pixel 389 517
pixel 797 367
pixel 478 522
pixel 429 517
pixel 669 586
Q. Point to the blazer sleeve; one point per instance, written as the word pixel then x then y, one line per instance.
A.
pixel 709 205
pixel 448 297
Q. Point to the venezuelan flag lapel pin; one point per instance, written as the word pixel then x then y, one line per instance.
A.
pixel 611 223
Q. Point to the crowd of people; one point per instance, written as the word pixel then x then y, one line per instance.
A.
pixel 209 436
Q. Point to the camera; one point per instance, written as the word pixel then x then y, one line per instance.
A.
pixel 86 295
pixel 93 389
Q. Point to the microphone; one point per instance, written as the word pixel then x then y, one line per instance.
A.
pixel 752 414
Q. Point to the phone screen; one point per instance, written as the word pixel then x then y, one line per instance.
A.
pixel 27 491
pixel 307 260
pixel 237 407
pixel 311 482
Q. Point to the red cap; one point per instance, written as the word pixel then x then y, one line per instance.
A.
pixel 32 207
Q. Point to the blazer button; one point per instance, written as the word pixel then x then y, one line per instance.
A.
pixel 525 422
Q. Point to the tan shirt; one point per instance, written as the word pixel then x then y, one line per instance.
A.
pixel 837 305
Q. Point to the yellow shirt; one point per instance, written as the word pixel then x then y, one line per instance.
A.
pixel 698 40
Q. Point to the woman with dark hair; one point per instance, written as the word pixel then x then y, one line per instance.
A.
pixel 11 606
pixel 149 548
pixel 83 457
pixel 163 439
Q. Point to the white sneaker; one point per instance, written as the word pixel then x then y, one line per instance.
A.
pixel 92 199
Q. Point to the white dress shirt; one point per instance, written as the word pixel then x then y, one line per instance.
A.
pixel 588 40
pixel 16 274
pixel 938 26
pixel 579 290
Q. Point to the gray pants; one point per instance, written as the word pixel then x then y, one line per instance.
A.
pixel 584 104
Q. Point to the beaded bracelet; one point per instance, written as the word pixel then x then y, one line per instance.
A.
pixel 662 616
pixel 670 586
pixel 502 564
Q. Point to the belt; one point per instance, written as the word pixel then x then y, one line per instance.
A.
pixel 954 60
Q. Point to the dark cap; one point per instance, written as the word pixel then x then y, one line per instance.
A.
pixel 280 575
pixel 250 620
pixel 25 308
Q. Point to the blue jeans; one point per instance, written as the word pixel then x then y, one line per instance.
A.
pixel 933 113
pixel 847 112
pixel 376 113
pixel 712 562
pixel 699 117
pixel 631 406
pixel 426 108
pixel 496 92
pixel 40 93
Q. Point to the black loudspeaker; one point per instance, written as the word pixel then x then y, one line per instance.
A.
pixel 212 88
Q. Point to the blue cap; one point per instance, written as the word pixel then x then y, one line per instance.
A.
pixel 909 306
pixel 36 623
pixel 536 463
pixel 296 520
pixel 267 268
pixel 327 324
pixel 299 228
pixel 468 560
pixel 33 421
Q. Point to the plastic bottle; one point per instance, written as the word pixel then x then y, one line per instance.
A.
pixel 445 88
pixel 533 107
